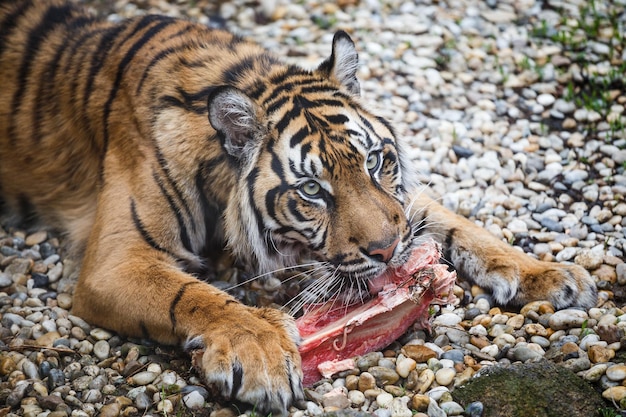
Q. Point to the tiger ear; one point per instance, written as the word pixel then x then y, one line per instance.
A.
pixel 234 117
pixel 343 62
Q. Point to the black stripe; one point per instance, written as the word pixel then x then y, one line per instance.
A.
pixel 179 194
pixel 256 90
pixel 176 300
pixel 212 212
pixel 292 205
pixel 10 22
pixel 236 71
pixel 53 17
pixel 142 230
pixel 191 102
pixel 331 103
pixel 48 78
pixel 171 101
pixel 338 119
pixel 237 378
pixel 130 54
pixel 184 235
pixel 287 117
pixel 278 103
pixel 298 137
pixel 98 58
pixel 447 248
pixel 156 59
pixel 251 181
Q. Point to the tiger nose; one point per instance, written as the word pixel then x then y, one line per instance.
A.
pixel 382 251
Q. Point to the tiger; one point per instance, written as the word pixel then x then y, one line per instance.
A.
pixel 154 143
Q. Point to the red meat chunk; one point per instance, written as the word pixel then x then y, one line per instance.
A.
pixel 333 333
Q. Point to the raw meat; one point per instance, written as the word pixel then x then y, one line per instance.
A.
pixel 333 334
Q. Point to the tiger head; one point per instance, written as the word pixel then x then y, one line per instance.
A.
pixel 319 175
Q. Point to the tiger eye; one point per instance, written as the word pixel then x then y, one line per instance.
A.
pixel 372 161
pixel 311 188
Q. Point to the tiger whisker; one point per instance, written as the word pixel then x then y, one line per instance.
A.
pixel 283 269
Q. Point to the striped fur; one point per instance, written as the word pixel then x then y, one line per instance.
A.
pixel 154 141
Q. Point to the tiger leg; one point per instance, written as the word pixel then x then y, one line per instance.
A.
pixel 128 286
pixel 510 275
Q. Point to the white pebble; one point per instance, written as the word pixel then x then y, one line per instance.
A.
pixel 483 305
pixel 404 366
pixel 193 400
pixel 452 408
pixel 399 407
pixel 616 372
pixel 491 350
pixel 142 378
pixel 447 319
pixel 101 334
pixel 154 368
pixel 568 318
pixel 545 99
pixel 437 392
pixel 384 399
pixel 101 349
pixel 356 397
pixel 445 376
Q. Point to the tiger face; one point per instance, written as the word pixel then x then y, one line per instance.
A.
pixel 319 175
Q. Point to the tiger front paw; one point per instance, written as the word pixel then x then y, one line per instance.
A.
pixel 254 359
pixel 562 285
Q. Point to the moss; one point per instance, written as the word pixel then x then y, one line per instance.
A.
pixel 539 389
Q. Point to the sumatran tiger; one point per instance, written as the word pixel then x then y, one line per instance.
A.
pixel 154 141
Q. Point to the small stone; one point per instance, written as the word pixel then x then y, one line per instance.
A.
pixel 545 99
pixel 399 407
pixel 420 402
pixel 101 349
pixel 30 370
pixel 143 401
pixel 599 354
pixel 452 408
pixel 366 381
pixel 92 396
pixel 616 372
pixel 590 259
pixel 384 399
pixel 568 318
pixel 404 366
pixel 535 329
pixel 51 402
pixel 447 319
pixel 165 406
pixel 356 397
pixel 335 399
pixel 110 410
pixel 445 376
pixel 142 378
pixel 384 376
pixel 100 334
pixel 36 238
pixel 615 394
pixel 596 372
pixel 64 301
pixel 425 380
pixel 368 360
pixel 435 411
pixel 419 353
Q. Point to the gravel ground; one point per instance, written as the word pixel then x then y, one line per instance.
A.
pixel 516 113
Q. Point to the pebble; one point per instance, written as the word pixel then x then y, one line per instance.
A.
pixel 568 318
